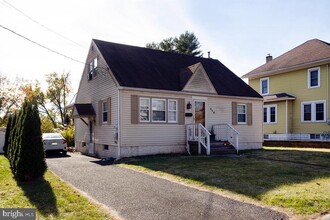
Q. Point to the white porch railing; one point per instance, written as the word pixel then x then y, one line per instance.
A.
pixel 225 132
pixel 197 132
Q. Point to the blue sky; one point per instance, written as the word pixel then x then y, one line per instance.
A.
pixel 238 33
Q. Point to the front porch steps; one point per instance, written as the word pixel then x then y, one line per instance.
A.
pixel 218 148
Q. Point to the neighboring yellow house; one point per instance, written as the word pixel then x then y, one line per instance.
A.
pixel 295 87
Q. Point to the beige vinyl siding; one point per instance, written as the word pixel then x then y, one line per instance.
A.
pixel 222 108
pixel 148 134
pixel 295 83
pixel 102 87
pixel 199 82
pixel 218 110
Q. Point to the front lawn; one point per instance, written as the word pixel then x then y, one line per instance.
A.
pixel 52 198
pixel 296 179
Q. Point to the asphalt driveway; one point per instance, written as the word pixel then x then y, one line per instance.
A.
pixel 135 195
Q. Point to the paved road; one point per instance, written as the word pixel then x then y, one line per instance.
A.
pixel 134 195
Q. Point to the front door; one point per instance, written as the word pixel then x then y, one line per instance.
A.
pixel 199 114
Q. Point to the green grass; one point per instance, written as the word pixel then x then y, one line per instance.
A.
pixel 295 179
pixel 52 198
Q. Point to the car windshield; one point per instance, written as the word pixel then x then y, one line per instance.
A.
pixel 51 135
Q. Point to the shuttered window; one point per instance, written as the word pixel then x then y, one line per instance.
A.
pixel 157 110
pixel 241 113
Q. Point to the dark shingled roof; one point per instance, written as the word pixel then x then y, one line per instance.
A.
pixel 85 109
pixel 311 51
pixel 154 69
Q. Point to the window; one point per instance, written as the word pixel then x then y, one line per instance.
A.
pixel 105 147
pixel 264 86
pixel 144 109
pixel 313 111
pixel 315 136
pixel 158 110
pixel 155 110
pixel 92 69
pixel 104 112
pixel 241 113
pixel 313 77
pixel 270 114
pixel 172 111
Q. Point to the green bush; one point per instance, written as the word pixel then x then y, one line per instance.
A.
pixel 7 135
pixel 68 134
pixel 26 153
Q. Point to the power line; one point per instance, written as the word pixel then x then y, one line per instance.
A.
pixel 103 70
pixel 40 45
pixel 45 27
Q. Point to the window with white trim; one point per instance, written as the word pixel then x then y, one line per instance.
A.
pixel 313 111
pixel 270 114
pixel 264 86
pixel 241 113
pixel 144 110
pixel 92 69
pixel 172 111
pixel 104 111
pixel 158 110
pixel 313 77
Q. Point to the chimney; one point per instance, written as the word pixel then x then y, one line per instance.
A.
pixel 208 54
pixel 269 58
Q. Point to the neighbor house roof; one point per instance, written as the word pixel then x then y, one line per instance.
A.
pixel 140 67
pixel 278 97
pixel 312 52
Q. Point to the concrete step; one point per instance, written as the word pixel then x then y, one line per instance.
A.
pixel 217 148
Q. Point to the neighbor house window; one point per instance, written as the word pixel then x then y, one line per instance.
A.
pixel 172 111
pixel 270 114
pixel 92 69
pixel 104 111
pixel 313 77
pixel 144 109
pixel 313 111
pixel 264 86
pixel 241 113
pixel 158 110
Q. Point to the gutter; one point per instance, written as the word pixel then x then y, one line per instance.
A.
pixel 187 93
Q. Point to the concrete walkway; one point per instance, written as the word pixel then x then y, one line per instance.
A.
pixel 135 195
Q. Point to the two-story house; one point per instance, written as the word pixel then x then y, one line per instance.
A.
pixel 295 87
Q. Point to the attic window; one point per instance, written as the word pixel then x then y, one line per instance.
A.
pixel 92 72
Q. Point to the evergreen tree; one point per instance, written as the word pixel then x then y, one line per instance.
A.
pixel 186 43
pixel 30 161
pixel 12 137
pixel 8 129
pixel 16 138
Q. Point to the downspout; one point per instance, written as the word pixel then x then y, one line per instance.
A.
pixel 327 92
pixel 118 127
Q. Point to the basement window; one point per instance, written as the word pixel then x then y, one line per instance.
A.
pixel 105 147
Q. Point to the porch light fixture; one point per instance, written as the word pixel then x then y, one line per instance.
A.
pixel 189 105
